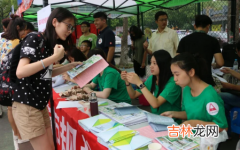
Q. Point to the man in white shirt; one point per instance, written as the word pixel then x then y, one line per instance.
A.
pixel 164 38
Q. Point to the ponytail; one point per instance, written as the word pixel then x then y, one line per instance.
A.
pixel 187 61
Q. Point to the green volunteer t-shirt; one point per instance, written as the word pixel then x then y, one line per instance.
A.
pixel 172 94
pixel 208 106
pixel 91 37
pixel 112 79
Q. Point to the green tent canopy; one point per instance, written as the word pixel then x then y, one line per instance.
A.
pixel 84 9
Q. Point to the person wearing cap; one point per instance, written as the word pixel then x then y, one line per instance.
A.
pixel 86 35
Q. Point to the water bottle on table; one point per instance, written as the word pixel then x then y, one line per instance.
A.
pixel 93 104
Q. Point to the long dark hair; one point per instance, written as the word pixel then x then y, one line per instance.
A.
pixel 50 34
pixel 76 54
pixel 12 32
pixel 138 33
pixel 187 61
pixel 163 59
pixel 99 51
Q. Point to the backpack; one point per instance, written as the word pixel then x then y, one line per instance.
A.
pixel 8 74
pixel 8 77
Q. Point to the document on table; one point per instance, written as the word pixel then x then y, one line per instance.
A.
pixel 69 104
pixel 129 110
pixel 220 78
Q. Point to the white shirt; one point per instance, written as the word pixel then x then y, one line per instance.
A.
pixel 166 40
pixel 1 35
pixel 129 40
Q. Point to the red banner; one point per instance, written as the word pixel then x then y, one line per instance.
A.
pixel 69 134
pixel 24 6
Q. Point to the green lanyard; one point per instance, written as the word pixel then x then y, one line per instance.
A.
pixel 201 31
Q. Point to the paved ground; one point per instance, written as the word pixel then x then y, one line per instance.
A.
pixel 6 138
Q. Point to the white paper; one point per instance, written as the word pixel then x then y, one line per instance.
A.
pixel 220 78
pixel 68 104
pixel 218 72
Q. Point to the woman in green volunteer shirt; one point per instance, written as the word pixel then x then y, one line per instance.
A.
pixel 201 103
pixel 109 81
pixel 159 89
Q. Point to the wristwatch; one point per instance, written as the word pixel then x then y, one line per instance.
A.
pixel 141 86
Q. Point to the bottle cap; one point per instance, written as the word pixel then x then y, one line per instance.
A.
pixel 93 94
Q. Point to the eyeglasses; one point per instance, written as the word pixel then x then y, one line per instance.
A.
pixel 69 27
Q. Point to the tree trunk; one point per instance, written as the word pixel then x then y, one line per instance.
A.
pixel 124 44
pixel 237 21
pixel 229 20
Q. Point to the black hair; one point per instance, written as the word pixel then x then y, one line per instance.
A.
pixel 86 23
pixel 50 34
pixel 76 54
pixel 163 60
pixel 187 61
pixel 12 32
pixel 5 22
pixel 101 15
pixel 30 26
pixel 202 21
pixel 99 51
pixel 160 13
pixel 238 45
pixel 89 43
pixel 137 31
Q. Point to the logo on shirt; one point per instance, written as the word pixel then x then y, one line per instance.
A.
pixel 110 43
pixel 48 74
pixel 212 108
pixel 90 39
pixel 100 41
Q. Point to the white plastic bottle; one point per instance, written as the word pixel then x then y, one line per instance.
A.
pixel 235 65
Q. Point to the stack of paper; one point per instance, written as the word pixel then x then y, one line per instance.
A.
pixel 129 110
pixel 97 124
pixel 127 120
pixel 158 122
pixel 122 138
pixel 179 143
pixel 102 103
pixel 132 143
pixel 105 127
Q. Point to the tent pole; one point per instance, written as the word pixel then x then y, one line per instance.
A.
pixel 142 22
pixel 198 8
pixel 45 3
pixel 138 19
pixel 233 18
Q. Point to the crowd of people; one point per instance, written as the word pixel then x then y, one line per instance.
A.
pixel 181 85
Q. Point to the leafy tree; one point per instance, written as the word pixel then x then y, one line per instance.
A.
pixel 5 9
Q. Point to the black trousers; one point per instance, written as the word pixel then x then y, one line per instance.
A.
pixel 141 72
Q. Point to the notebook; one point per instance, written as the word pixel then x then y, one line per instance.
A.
pixel 83 74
